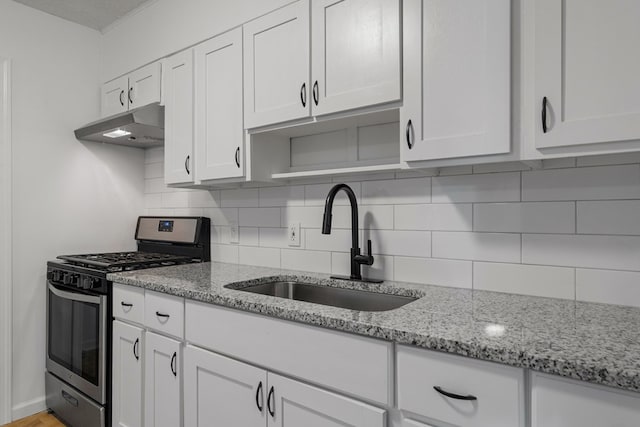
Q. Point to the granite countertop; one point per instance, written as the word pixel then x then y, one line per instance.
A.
pixel 598 343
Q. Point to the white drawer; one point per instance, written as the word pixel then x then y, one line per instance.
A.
pixel 499 389
pixel 343 362
pixel 128 303
pixel 164 313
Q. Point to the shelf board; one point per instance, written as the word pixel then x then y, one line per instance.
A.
pixel 338 171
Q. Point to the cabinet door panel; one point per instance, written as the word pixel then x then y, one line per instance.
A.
pixel 144 85
pixel 219 117
pixel 295 404
pixel 276 59
pixel 558 402
pixel 221 392
pixel 458 52
pixel 356 53
pixel 178 122
pixel 128 349
pixel 162 373
pixel 586 69
pixel 114 97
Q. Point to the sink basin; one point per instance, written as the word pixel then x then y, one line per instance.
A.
pixel 336 297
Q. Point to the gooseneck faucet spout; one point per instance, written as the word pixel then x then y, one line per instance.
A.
pixel 356 258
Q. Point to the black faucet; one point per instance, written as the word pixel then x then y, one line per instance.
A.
pixel 356 258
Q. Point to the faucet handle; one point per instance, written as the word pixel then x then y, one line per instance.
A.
pixel 365 259
pixel 369 247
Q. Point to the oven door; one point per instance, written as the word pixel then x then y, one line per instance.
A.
pixel 76 340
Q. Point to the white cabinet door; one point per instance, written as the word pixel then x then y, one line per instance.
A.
pixel 457 67
pixel 558 402
pixel 221 392
pixel 219 124
pixel 178 122
pixel 294 404
pixel 355 46
pixel 114 97
pixel 144 85
pixel 127 375
pixel 587 67
pixel 276 58
pixel 162 378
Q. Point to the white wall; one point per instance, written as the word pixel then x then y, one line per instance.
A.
pixel 166 26
pixel 68 196
pixel 570 230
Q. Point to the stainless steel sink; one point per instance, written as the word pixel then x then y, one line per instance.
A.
pixel 336 297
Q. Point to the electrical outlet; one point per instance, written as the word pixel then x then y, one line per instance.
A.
pixel 234 232
pixel 293 237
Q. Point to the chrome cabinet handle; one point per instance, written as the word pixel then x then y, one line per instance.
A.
pixel 121 100
pixel 303 94
pixel 174 370
pixel 272 411
pixel 316 93
pixel 453 395
pixel 259 398
pixel 186 164
pixel 544 114
pixel 129 96
pixel 409 134
pixel 135 349
pixel 238 156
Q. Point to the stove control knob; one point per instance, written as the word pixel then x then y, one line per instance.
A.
pixel 95 282
pixel 85 283
pixel 57 275
pixel 66 278
pixel 70 279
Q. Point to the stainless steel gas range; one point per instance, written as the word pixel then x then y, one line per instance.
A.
pixel 79 313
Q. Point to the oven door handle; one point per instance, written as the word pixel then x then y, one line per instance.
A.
pixel 75 296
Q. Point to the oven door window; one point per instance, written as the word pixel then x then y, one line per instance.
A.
pixel 74 336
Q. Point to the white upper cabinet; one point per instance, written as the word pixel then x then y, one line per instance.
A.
pixel 457 85
pixel 139 88
pixel 178 122
pixel 219 114
pixel 586 72
pixel 355 47
pixel 276 57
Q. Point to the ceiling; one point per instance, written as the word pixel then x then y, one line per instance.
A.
pixel 96 14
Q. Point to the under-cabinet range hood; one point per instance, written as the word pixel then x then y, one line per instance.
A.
pixel 142 127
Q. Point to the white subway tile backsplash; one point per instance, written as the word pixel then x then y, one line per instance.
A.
pixel 153 200
pixel 263 257
pixel 278 238
pixel 319 262
pixel 316 194
pixel 153 155
pixel 381 269
pixel 307 216
pixel 281 196
pixel 398 191
pixel 249 236
pixel 608 252
pixel 441 272
pixel 259 217
pixel 609 287
pixel 379 217
pixel 240 198
pixel 609 217
pixel 225 253
pixel 175 200
pixel 221 216
pixel 154 185
pixel 542 281
pixel 154 170
pixel 533 217
pixel 498 247
pixel 593 183
pixel 442 217
pixel 338 241
pixel 392 242
pixel 204 199
pixel 494 187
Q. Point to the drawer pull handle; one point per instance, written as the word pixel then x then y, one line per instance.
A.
pixel 135 349
pixel 126 304
pixel 260 398
pixel 70 399
pixel 166 316
pixel 272 411
pixel 174 370
pixel 453 395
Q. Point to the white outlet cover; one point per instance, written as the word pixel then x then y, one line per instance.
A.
pixel 234 232
pixel 293 235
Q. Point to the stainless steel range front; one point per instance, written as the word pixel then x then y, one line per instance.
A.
pixel 79 307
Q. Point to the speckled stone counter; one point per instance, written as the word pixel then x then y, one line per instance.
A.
pixel 591 342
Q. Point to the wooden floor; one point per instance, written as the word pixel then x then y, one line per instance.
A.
pixel 38 420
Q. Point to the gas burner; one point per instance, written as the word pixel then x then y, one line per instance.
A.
pixel 121 261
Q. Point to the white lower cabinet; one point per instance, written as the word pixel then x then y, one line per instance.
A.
pixel 294 404
pixel 558 402
pixel 222 392
pixel 412 423
pixel 162 379
pixel 127 375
